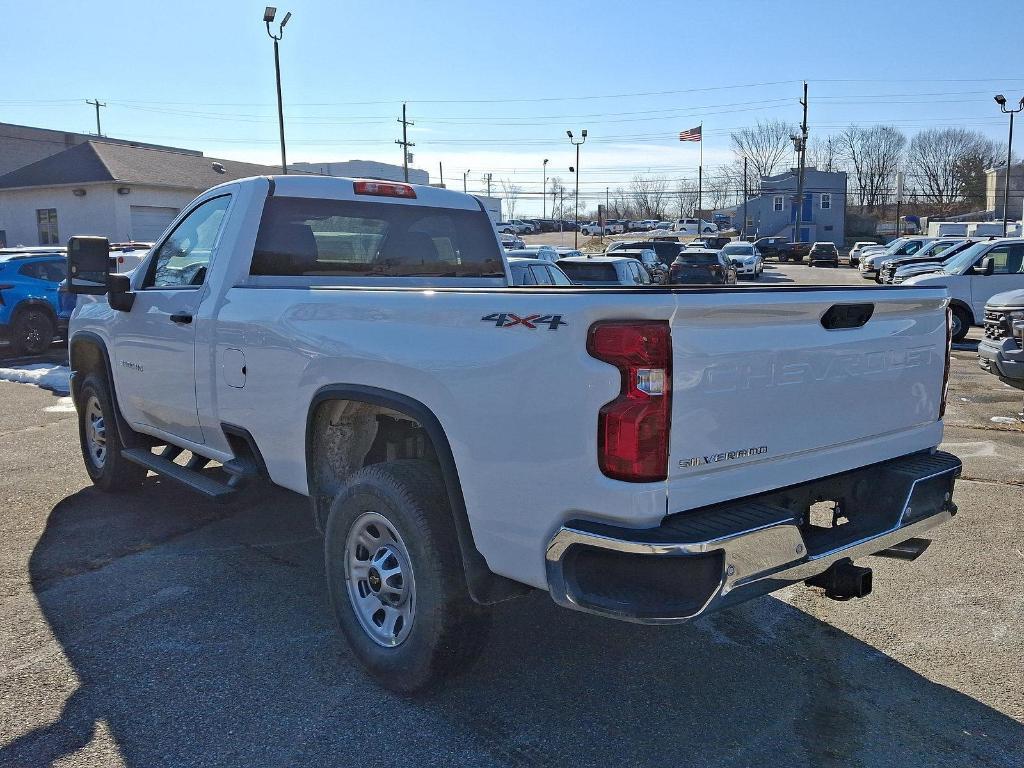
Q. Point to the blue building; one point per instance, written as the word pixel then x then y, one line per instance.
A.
pixel 773 212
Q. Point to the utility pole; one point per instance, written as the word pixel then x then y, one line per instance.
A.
pixel 440 168
pixel 487 179
pixel 743 229
pixel 97 103
pixel 1001 101
pixel 800 142
pixel 464 181
pixel 544 191
pixel 404 143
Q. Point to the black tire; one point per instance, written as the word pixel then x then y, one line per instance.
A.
pixel 110 472
pixel 32 332
pixel 448 630
pixel 961 323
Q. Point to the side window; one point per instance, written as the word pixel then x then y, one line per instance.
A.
pixel 1000 256
pixel 558 277
pixel 182 260
pixel 540 275
pixel 527 276
pixel 1015 260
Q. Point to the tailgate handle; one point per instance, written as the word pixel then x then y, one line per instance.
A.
pixel 841 316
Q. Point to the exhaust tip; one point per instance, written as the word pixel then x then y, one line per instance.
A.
pixel 843 580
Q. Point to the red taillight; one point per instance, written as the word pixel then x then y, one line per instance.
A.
pixel 949 354
pixel 383 189
pixel 632 430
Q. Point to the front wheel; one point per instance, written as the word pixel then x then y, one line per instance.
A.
pixel 33 332
pixel 395 576
pixel 100 440
pixel 961 324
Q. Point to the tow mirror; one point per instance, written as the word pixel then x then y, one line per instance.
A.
pixel 88 264
pixel 988 266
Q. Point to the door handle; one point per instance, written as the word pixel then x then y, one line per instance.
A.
pixel 182 318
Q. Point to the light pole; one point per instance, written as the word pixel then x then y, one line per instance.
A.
pixel 1001 101
pixel 544 191
pixel 464 180
pixel 576 170
pixel 268 17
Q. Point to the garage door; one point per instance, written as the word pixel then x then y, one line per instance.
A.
pixel 149 221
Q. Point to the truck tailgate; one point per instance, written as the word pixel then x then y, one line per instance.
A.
pixel 765 396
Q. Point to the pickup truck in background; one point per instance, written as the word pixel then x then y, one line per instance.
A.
pixel 1001 350
pixel 362 343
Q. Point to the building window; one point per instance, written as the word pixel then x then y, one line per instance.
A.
pixel 826 201
pixel 778 202
pixel 46 218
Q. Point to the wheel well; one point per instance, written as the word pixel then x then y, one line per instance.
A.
pixel 85 357
pixel 28 304
pixel 349 427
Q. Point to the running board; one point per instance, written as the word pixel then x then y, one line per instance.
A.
pixel 164 467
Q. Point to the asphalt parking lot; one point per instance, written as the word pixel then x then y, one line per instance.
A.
pixel 161 629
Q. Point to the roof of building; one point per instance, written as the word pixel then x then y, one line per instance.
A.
pixel 98 161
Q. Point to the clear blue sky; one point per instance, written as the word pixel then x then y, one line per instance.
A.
pixel 493 87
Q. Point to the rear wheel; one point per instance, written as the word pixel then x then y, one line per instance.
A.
pixel 395 577
pixel 33 331
pixel 100 440
pixel 961 324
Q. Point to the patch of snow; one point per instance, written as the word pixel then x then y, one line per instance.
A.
pixel 64 405
pixel 1005 420
pixel 44 375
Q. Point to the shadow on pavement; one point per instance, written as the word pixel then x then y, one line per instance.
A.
pixel 200 634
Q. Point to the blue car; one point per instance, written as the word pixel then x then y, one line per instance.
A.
pixel 32 308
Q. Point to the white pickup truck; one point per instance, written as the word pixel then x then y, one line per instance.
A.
pixel 361 343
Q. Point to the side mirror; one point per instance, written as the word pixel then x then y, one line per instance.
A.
pixel 88 265
pixel 988 266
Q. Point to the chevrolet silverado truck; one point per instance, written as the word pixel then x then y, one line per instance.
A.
pixel 362 343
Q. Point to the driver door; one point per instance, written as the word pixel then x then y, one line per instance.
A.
pixel 1006 276
pixel 154 343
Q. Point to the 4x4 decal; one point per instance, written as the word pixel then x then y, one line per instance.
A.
pixel 508 320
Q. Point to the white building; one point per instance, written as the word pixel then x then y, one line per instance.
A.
pixel 363 169
pixel 119 191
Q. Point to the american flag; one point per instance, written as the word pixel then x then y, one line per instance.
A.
pixel 691 135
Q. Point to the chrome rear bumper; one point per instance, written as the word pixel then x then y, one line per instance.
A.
pixel 704 560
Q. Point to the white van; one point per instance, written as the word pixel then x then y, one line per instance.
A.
pixel 974 276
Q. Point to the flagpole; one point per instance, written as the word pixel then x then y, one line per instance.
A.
pixel 700 180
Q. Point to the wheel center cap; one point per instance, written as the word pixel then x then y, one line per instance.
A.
pixel 374 578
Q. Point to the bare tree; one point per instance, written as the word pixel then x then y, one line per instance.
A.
pixel 874 155
pixel 647 196
pixel 949 164
pixel 825 154
pixel 686 196
pixel 511 193
pixel 557 191
pixel 766 145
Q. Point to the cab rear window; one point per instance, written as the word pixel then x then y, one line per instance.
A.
pixel 581 271
pixel 312 236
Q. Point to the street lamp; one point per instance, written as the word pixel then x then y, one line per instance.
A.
pixel 268 17
pixel 464 180
pixel 1001 101
pixel 576 169
pixel 544 191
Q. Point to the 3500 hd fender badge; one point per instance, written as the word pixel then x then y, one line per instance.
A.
pixel 509 320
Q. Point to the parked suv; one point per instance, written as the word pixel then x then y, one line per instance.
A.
pixel 32 308
pixel 823 254
pixel 1001 351
pixel 702 265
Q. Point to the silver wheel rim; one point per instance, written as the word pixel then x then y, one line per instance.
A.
pixel 379 579
pixel 95 432
pixel 957 325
